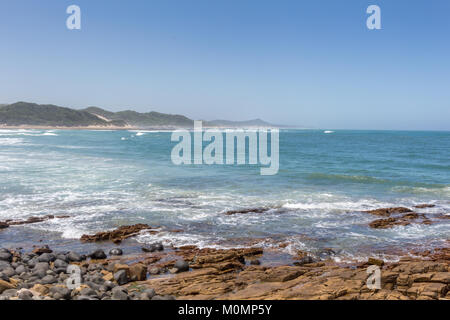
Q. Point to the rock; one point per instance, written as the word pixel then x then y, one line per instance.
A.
pixel 4 285
pixel 48 279
pixel 121 277
pixel 5 256
pixel 304 260
pixel 60 292
pixel 4 265
pixel 387 223
pixel 386 212
pixel 246 211
pixel 159 246
pixel 149 248
pixel 10 293
pixel 422 206
pixel 42 250
pixel 60 264
pixel 119 293
pixel 138 272
pixel 120 266
pixel 9 272
pixel 46 257
pixel 116 252
pixel 255 262
pixel 166 297
pixel 374 261
pixel 116 235
pixel 98 255
pixel 41 266
pixel 181 266
pixel 40 289
pixel 74 257
pixel 154 271
pixel 88 292
pixel 21 269
pixel 25 294
pixel 3 225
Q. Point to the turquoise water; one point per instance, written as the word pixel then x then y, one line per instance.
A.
pixel 103 179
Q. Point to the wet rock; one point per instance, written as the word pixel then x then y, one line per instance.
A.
pixel 255 262
pixel 121 277
pixel 386 212
pixel 3 225
pixel 116 252
pixel 42 250
pixel 423 206
pixel 247 211
pixel 304 260
pixel 387 223
pixel 149 248
pixel 154 271
pixel 375 261
pixel 116 235
pixel 181 266
pixel 98 255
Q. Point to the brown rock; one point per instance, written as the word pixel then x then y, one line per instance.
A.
pixel 116 235
pixel 374 261
pixel 3 225
pixel 138 272
pixel 40 289
pixel 118 267
pixel 4 285
pixel 386 212
pixel 421 206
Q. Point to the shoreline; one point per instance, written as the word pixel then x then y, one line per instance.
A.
pixel 190 273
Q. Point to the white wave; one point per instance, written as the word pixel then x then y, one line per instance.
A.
pixel 11 141
pixel 140 134
pixel 328 131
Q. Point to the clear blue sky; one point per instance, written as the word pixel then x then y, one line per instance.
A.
pixel 311 63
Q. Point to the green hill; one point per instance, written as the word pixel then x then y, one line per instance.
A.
pixel 148 119
pixel 32 114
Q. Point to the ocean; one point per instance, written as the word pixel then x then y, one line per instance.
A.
pixel 326 179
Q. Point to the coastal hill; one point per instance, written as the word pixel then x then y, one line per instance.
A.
pixel 36 115
pixel 32 114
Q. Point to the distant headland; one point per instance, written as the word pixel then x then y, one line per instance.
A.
pixel 39 116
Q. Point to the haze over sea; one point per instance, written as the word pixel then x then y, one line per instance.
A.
pixel 104 179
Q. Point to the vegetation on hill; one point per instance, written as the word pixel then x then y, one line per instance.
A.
pixel 32 114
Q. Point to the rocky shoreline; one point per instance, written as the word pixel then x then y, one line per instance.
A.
pixel 189 272
pixel 225 274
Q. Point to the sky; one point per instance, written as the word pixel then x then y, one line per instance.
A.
pixel 308 63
